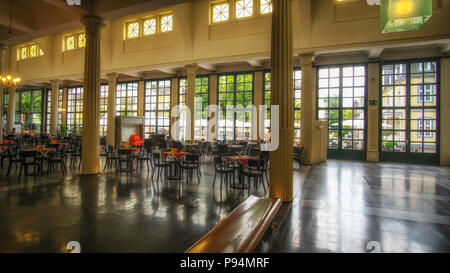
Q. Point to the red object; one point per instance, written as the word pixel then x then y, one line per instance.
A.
pixel 178 156
pixel 136 141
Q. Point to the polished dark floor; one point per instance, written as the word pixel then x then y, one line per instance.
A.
pixel 339 206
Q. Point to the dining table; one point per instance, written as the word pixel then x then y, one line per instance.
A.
pixel 176 156
pixel 242 160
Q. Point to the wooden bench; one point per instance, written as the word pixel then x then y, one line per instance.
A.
pixel 241 230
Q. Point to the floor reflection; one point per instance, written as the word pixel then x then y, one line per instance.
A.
pixel 339 206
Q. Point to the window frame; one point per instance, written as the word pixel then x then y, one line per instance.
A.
pixel 408 155
pixel 127 111
pixel 234 74
pixel 156 110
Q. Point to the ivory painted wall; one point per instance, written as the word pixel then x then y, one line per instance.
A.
pixel 319 25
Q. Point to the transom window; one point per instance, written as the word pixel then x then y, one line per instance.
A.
pixel 265 6
pixel 127 99
pixel 244 8
pixel 29 51
pixel 220 12
pixel 157 107
pixel 74 41
pixel 132 30
pixel 166 23
pixel 228 10
pixel 150 26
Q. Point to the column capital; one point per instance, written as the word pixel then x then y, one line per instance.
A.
pixel 191 68
pixel 56 81
pixel 12 89
pixel 306 59
pixel 93 24
pixel 112 76
pixel 3 47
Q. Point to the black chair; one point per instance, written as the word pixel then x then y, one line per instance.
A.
pixel 3 154
pixel 254 170
pixel 27 159
pixel 265 156
pixel 191 163
pixel 162 144
pixel 56 157
pixel 298 153
pixel 220 167
pixel 222 149
pixel 110 157
pixel 124 156
pixel 147 156
pixel 160 164
pixel 76 154
pixel 12 154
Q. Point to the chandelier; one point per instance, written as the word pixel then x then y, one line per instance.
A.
pixel 9 81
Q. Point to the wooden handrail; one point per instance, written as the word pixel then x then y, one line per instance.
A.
pixel 241 230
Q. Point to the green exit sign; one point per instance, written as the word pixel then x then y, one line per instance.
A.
pixel 373 102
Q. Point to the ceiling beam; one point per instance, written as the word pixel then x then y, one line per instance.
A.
pixel 25 23
pixel 208 66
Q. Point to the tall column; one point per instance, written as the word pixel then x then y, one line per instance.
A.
pixel 281 160
pixel 64 106
pixel 11 109
pixel 91 96
pixel 258 99
pixel 308 106
pixel 111 128
pixel 372 116
pixel 190 96
pixel 212 101
pixel 54 108
pixel 174 102
pixel 3 49
pixel 445 112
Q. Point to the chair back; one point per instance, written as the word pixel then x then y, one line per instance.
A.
pixel 222 148
pixel 28 156
pixel 156 157
pixel 124 154
pixel 218 162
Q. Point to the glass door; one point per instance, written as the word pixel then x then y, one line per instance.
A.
pixel 410 112
pixel 341 99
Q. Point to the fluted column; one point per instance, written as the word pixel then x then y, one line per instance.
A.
pixel 281 160
pixel 54 108
pixel 91 96
pixel 111 128
pixel 190 97
pixel 11 108
pixel 307 106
